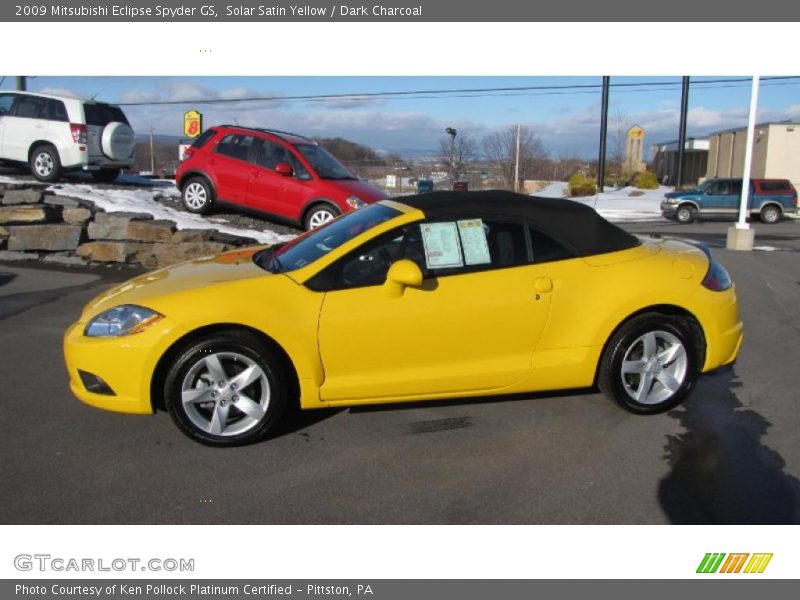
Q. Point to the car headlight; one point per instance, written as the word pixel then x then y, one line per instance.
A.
pixel 355 202
pixel 121 320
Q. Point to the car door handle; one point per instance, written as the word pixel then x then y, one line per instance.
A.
pixel 543 285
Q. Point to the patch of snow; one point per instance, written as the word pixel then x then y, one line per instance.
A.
pixel 766 248
pixel 618 205
pixel 146 201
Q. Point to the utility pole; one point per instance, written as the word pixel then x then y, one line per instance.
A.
pixel 516 164
pixel 601 163
pixel 682 129
pixel 22 83
pixel 152 155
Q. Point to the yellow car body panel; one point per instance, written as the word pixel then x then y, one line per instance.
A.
pixel 517 329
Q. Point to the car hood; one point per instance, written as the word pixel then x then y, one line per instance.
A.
pixel 199 273
pixel 681 193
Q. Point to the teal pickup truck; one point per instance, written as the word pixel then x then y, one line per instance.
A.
pixel 769 199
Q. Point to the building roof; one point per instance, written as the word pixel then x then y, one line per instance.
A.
pixel 692 143
pixel 576 226
pixel 765 124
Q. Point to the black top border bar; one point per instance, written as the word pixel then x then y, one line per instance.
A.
pixel 464 11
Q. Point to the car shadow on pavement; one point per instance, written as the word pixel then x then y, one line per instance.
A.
pixel 722 473
pixel 6 278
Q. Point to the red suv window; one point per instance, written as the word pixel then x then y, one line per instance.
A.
pixel 775 186
pixel 236 146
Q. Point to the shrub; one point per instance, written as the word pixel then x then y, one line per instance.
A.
pixel 581 185
pixel 646 181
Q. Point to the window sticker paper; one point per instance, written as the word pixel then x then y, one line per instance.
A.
pixel 442 248
pixel 473 242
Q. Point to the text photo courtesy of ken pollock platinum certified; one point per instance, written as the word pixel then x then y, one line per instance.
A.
pixel 131 11
pixel 152 590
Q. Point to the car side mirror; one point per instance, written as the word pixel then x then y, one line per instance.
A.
pixel 402 274
pixel 284 169
pixel 709 192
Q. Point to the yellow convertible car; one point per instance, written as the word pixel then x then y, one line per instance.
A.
pixel 440 295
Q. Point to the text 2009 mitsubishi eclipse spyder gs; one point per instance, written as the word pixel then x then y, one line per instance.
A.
pixel 440 295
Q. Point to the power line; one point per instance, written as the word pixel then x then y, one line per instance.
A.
pixel 476 92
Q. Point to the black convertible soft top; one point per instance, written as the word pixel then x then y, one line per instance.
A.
pixel 573 224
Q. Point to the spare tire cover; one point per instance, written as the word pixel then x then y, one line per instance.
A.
pixel 117 141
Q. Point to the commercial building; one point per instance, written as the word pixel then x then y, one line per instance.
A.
pixel 776 152
pixel 695 161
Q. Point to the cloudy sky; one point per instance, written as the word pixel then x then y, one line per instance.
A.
pixel 566 119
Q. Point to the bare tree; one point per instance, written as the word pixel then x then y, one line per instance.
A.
pixel 501 148
pixel 457 153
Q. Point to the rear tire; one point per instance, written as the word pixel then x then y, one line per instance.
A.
pixel 228 389
pixel 197 195
pixel 685 214
pixel 45 164
pixel 770 214
pixel 320 214
pixel 651 363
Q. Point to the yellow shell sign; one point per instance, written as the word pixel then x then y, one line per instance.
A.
pixel 635 133
pixel 192 123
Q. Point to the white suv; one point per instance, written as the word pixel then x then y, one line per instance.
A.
pixel 53 134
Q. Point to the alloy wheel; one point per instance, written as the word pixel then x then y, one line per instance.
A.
pixel 195 195
pixel 654 367
pixel 43 164
pixel 225 394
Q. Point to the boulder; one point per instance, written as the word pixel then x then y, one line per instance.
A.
pixel 32 213
pixel 162 255
pixel 193 235
pixel 65 259
pixel 121 252
pixel 116 226
pixel 76 216
pixel 15 256
pixel 44 237
pixel 62 201
pixel 21 197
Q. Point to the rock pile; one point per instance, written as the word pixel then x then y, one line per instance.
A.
pixel 36 225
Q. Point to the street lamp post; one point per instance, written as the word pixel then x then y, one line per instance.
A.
pixel 452 133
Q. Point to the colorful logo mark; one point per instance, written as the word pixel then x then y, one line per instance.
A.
pixel 734 563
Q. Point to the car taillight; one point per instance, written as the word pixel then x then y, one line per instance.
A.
pixel 717 278
pixel 187 153
pixel 78 133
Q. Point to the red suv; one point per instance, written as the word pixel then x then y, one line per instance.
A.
pixel 289 176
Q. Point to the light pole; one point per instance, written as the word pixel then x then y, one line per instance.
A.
pixel 452 133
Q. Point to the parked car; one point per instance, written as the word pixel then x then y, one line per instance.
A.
pixel 288 176
pixel 445 295
pixel 54 134
pixel 769 199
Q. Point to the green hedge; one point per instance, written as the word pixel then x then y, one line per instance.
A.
pixel 581 185
pixel 646 181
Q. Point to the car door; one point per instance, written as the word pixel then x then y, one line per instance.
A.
pixel 6 102
pixel 471 326
pixel 267 188
pixel 230 165
pixel 713 197
pixel 27 123
pixel 732 196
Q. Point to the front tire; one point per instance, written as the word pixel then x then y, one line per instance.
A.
pixel 45 164
pixel 685 214
pixel 228 389
pixel 651 363
pixel 197 196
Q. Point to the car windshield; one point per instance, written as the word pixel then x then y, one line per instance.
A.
pixel 324 163
pixel 310 246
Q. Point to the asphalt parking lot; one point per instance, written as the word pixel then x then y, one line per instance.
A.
pixel 730 454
